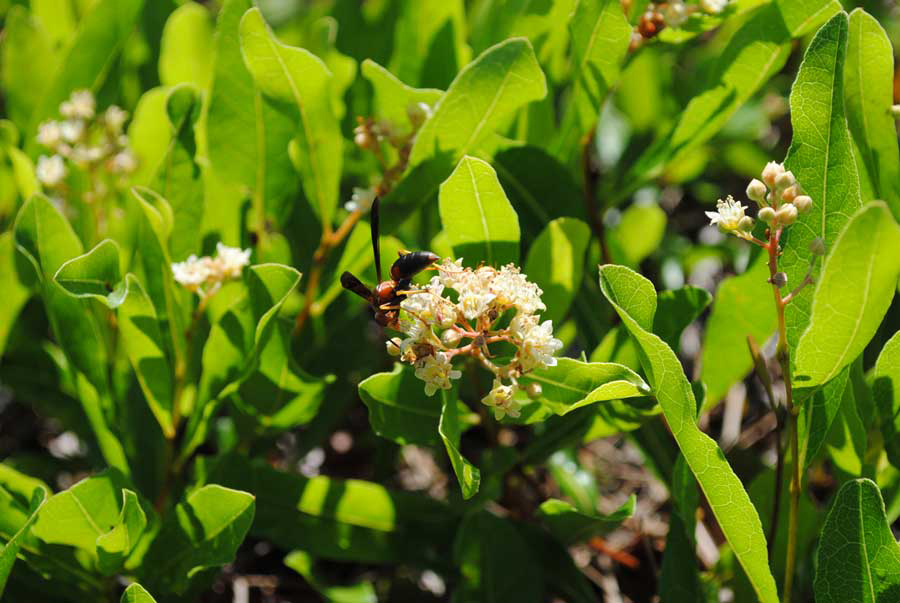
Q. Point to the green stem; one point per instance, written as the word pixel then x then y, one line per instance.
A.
pixel 784 358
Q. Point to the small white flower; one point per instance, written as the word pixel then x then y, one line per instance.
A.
pixel 713 7
pixel 501 400
pixel 512 288
pixel 87 154
pixel 450 272
pixel 115 118
pixel 71 130
pixel 123 162
pixel 675 13
pixel 193 272
pixel 50 170
pixel 361 200
pixel 230 261
pixel 474 302
pixel 436 371
pixel 537 346
pixel 728 215
pixel 427 304
pixel 80 105
pixel 49 134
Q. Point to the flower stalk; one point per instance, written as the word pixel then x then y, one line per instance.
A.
pixel 781 201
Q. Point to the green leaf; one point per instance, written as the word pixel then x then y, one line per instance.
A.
pixel 28 63
pixel 393 98
pixel 629 293
pixel 570 526
pixel 676 309
pixel 115 545
pixel 46 240
pixel 743 306
pixel 499 81
pixel 556 263
pixel 757 51
pixel 96 275
pixel 303 563
pixel 821 158
pixel 477 217
pixel 186 48
pixel 296 77
pixel 178 179
pixel 852 296
pixel 430 42
pixel 247 134
pixel 802 16
pixel 495 562
pixel 638 234
pixel 9 550
pixel 886 390
pixel 600 35
pixel 149 134
pixel 868 92
pixel 101 34
pixel 450 428
pixel 98 515
pixel 847 440
pixel 572 384
pixel 135 593
pixel 15 294
pixel 858 558
pixel 202 532
pixel 339 519
pixel 399 410
pixel 818 409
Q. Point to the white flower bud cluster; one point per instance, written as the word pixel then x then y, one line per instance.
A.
pixel 205 275
pixel 84 139
pixel 779 196
pixel 713 7
pixel 780 199
pixel 439 327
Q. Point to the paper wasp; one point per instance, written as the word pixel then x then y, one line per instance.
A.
pixel 386 297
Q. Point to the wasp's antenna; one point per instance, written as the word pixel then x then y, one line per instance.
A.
pixel 376 247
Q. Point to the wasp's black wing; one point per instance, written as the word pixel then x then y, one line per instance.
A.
pixel 351 283
pixel 376 246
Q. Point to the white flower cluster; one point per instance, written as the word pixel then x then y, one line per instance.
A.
pixel 84 139
pixel 675 12
pixel 439 326
pixel 780 199
pixel 205 275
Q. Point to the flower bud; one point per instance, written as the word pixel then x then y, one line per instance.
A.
pixel 534 390
pixel 362 138
pixel 757 190
pixel 393 346
pixel 745 224
pixel 786 214
pixel 817 246
pixel 771 172
pixel 451 337
pixel 779 280
pixel 766 214
pixel 784 180
pixel 790 193
pixel 803 203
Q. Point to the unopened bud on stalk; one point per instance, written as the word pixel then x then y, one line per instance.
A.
pixel 757 190
pixel 786 214
pixel 534 390
pixel 745 224
pixel 451 337
pixel 803 203
pixel 393 346
pixel 790 193
pixel 362 137
pixel 817 246
pixel 771 172
pixel 785 180
pixel 418 113
pixel 766 214
pixel 779 280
